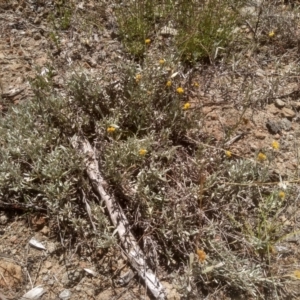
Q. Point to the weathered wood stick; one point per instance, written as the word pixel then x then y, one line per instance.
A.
pixel 118 218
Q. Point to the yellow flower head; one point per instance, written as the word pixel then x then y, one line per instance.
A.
pixel 186 106
pixel 228 153
pixel 169 83
pixel 201 255
pixel 275 145
pixel 147 41
pixel 261 157
pixel 142 152
pixel 138 77
pixel 180 90
pixel 296 273
pixel 281 194
pixel 111 129
pixel 196 84
pixel 271 33
pixel 161 61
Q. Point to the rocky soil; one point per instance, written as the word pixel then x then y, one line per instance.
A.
pixel 28 45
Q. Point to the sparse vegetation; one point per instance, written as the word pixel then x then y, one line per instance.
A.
pixel 202 31
pixel 211 218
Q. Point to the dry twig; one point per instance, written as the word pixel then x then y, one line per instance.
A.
pixel 133 251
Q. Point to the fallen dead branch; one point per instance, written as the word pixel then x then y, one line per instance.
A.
pixel 133 251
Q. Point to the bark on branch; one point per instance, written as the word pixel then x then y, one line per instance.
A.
pixel 118 218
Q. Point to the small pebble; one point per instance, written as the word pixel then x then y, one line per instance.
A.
pixel 260 135
pixel 279 103
pixel 288 113
pixel 3 219
pixel 65 294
